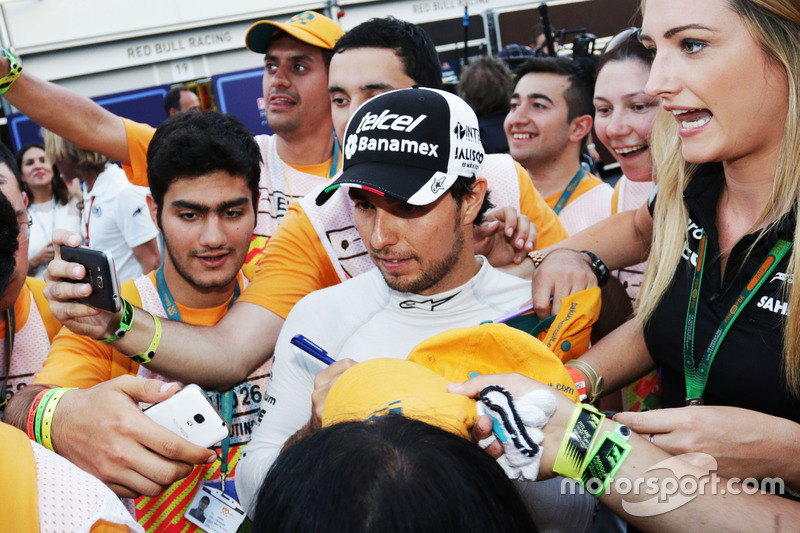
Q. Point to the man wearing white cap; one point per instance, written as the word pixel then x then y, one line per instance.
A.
pixel 412 165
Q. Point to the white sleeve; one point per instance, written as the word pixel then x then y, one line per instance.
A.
pixel 286 409
pixel 134 217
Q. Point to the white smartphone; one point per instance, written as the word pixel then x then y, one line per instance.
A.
pixel 190 414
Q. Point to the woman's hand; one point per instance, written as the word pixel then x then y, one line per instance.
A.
pixel 744 443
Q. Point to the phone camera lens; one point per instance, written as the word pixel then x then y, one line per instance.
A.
pixel 199 418
pixel 100 281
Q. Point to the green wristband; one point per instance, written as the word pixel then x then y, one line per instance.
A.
pixel 125 323
pixel 37 423
pixel 582 432
pixel 605 462
pixel 14 70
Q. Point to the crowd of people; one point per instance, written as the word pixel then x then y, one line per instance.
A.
pixel 388 219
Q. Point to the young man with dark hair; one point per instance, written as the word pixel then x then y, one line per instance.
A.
pixel 204 173
pixel 320 242
pixel 550 117
pixel 411 43
pixel 417 232
pixel 180 100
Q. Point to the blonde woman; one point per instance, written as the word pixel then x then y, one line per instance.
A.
pixel 723 228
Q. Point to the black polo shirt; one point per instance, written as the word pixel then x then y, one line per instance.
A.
pixel 748 368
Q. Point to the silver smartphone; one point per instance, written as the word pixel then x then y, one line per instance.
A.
pixel 100 274
pixel 190 414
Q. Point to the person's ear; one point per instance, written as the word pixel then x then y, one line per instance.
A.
pixel 153 207
pixel 471 203
pixel 580 127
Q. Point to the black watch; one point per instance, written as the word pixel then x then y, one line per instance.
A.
pixel 600 268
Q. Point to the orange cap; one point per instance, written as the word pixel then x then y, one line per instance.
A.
pixel 492 349
pixel 387 386
pixel 308 26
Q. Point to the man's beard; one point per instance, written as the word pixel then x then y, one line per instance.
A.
pixel 179 267
pixel 435 272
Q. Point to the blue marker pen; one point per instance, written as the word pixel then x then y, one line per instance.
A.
pixel 312 349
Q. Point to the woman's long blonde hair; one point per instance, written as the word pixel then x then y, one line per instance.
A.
pixel 775 24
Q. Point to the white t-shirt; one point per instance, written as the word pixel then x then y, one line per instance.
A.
pixel 360 319
pixel 118 220
pixel 46 217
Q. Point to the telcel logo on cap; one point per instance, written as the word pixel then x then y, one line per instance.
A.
pixel 405 123
pixel 386 121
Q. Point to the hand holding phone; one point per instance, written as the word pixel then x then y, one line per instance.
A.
pixel 190 414
pixel 100 274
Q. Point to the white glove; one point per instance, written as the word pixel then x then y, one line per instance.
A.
pixel 517 424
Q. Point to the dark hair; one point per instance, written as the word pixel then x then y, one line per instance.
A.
pixel 173 99
pixel 204 499
pixel 190 145
pixel 631 48
pixel 461 188
pixel 60 191
pixel 392 475
pixel 9 230
pixel 7 157
pixel 486 85
pixel 411 43
pixel 579 93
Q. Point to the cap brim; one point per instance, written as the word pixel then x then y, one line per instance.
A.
pixel 258 36
pixel 399 184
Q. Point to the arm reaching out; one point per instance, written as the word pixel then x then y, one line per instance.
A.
pixel 103 431
pixel 86 124
pixel 649 466
pixel 215 357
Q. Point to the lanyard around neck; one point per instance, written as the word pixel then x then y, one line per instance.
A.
pixel 571 186
pixel 11 327
pixel 335 159
pixel 87 212
pixel 226 398
pixel 697 377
